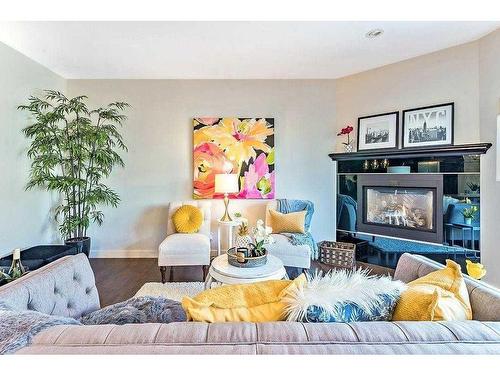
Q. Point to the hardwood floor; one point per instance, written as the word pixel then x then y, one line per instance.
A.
pixel 118 279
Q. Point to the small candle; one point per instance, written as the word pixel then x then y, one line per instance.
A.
pixel 16 254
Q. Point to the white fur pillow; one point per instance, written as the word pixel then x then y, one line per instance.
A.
pixel 343 296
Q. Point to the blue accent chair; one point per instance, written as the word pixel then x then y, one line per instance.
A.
pixel 346 213
pixel 454 225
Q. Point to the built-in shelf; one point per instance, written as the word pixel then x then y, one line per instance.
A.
pixel 451 150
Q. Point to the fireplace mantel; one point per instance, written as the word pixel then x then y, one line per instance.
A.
pixel 452 150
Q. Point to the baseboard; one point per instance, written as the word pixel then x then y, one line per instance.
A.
pixel 124 253
pixel 131 253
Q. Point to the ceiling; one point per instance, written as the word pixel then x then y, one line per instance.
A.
pixel 228 50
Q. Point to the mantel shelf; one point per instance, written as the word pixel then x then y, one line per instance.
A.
pixel 450 150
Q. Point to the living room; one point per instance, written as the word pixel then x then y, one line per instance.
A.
pixel 279 185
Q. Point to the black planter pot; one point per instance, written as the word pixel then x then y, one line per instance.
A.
pixel 82 243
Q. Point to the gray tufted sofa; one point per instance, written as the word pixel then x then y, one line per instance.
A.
pixel 67 287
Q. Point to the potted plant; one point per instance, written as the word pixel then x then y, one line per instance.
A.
pixel 469 214
pixel 239 218
pixel 73 150
pixel 348 146
pixel 474 188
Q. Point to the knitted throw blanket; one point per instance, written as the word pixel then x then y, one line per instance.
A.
pixel 286 206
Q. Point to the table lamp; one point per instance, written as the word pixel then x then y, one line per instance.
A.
pixel 226 184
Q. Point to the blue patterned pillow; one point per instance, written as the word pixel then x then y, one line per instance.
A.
pixel 351 312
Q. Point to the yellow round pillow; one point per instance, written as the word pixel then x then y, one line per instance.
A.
pixel 187 219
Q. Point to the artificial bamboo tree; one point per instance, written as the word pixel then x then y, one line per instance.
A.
pixel 73 150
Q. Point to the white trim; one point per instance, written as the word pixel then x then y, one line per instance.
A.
pixel 130 253
pixel 124 253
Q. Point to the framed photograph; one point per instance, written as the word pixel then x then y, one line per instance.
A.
pixel 428 126
pixel 378 131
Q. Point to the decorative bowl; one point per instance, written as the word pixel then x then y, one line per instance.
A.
pixel 237 257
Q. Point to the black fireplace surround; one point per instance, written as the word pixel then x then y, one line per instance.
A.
pixel 404 206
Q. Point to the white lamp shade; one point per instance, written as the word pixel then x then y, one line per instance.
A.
pixel 226 183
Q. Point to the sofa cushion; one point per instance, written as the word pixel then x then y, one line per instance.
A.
pixel 461 337
pixel 291 255
pixel 256 302
pixel 185 249
pixel 439 295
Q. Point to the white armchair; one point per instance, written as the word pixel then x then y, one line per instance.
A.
pixel 183 249
pixel 291 255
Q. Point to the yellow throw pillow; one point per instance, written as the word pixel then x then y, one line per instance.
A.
pixel 439 295
pixel 294 222
pixel 187 219
pixel 257 302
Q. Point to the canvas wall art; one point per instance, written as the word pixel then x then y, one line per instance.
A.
pixel 244 146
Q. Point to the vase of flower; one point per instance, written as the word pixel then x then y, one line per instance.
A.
pixel 262 236
pixel 349 145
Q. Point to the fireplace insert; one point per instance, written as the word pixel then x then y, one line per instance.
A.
pixel 404 206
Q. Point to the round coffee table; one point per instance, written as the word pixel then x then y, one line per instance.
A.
pixel 221 271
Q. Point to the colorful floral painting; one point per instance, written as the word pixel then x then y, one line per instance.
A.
pixel 244 146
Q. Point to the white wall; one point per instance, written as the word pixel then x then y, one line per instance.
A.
pixel 489 99
pixel 159 162
pixel 24 216
pixel 307 113
pixel 449 75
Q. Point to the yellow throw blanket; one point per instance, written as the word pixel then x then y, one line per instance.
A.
pixel 257 302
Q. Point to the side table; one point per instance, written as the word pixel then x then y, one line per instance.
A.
pixel 228 225
pixel 221 271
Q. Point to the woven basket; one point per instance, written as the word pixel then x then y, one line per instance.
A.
pixel 338 254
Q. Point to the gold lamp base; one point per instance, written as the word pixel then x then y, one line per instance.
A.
pixel 226 216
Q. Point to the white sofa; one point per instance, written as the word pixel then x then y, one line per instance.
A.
pixel 181 249
pixel 291 255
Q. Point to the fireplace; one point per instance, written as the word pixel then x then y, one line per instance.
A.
pixel 405 206
pixel 411 208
